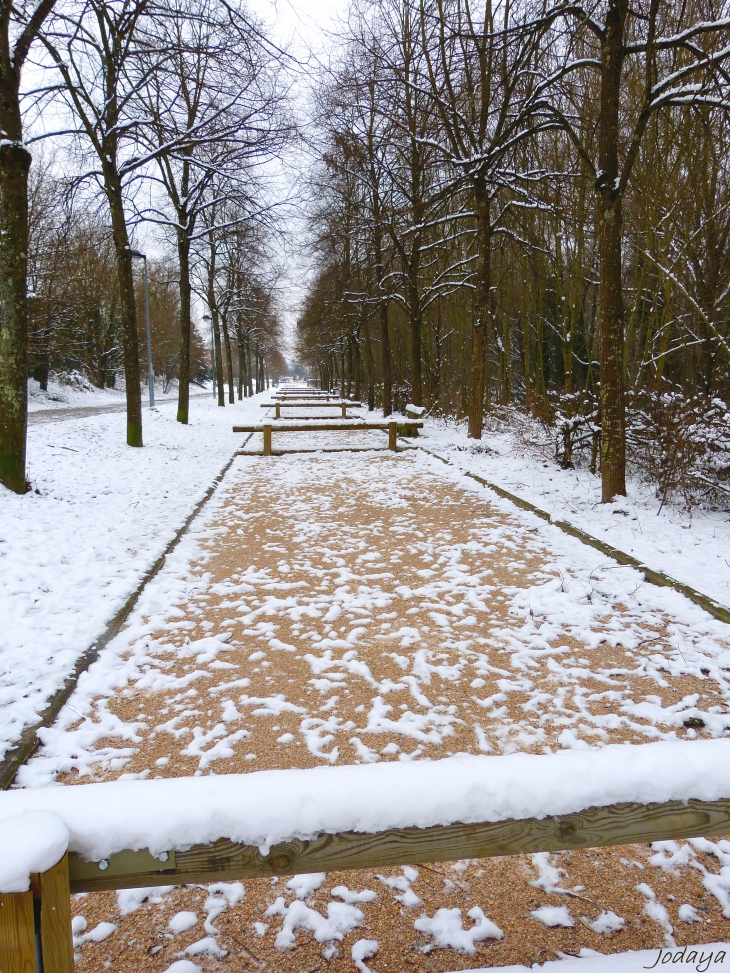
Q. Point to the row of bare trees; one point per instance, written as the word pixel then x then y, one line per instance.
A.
pixel 518 200
pixel 166 112
pixel 74 319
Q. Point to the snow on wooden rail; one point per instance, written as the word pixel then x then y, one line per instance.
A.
pixel 343 404
pixel 123 834
pixel 461 806
pixel 321 425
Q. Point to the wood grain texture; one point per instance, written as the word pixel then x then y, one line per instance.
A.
pixel 56 939
pixel 596 827
pixel 17 933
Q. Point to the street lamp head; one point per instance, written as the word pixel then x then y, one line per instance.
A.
pixel 207 317
pixel 139 254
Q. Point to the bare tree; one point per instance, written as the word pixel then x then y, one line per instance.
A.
pixel 217 115
pixel 676 52
pixel 20 24
pixel 97 49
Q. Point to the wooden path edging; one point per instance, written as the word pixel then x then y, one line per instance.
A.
pixel 658 578
pixel 28 742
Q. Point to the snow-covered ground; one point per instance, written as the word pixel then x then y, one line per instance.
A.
pixel 691 547
pixel 99 515
pixel 75 391
pixel 710 956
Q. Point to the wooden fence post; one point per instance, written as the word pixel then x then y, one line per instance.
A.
pixel 267 439
pixel 18 942
pixel 393 436
pixel 278 410
pixel 344 411
pixel 17 933
pixel 56 938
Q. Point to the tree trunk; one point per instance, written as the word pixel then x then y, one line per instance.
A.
pixel 218 357
pixel 387 369
pixel 241 363
pixel 229 360
pixel 608 218
pixel 183 391
pixel 213 307
pixel 14 165
pixel 358 368
pixel 480 349
pixel 128 309
pixel 369 363
pixel 414 301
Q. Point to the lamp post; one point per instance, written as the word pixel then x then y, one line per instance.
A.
pixel 207 317
pixel 150 372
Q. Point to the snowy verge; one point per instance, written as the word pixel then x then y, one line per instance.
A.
pixel 266 807
pixel 73 390
pixel 689 546
pixel 703 958
pixel 74 548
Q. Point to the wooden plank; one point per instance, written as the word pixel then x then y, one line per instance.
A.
pixel 56 938
pixel 335 404
pixel 17 933
pixel 226 861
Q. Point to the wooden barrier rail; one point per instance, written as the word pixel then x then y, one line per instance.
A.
pixel 298 404
pixel 392 428
pixel 228 861
pixel 306 395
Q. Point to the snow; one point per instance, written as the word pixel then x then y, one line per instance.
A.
pixel 656 911
pixel 340 920
pixel 128 900
pixel 304 885
pixel 708 957
pixel 98 934
pixel 553 915
pixel 361 950
pixel 184 966
pixel 182 921
pixel 689 547
pixel 73 390
pixel 447 930
pixel 206 947
pixel 265 807
pixel 609 922
pixel 688 913
pixel 99 515
pixel 29 842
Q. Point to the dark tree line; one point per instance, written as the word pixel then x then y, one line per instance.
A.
pixel 527 203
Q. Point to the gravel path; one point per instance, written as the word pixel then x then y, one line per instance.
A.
pixel 380 607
